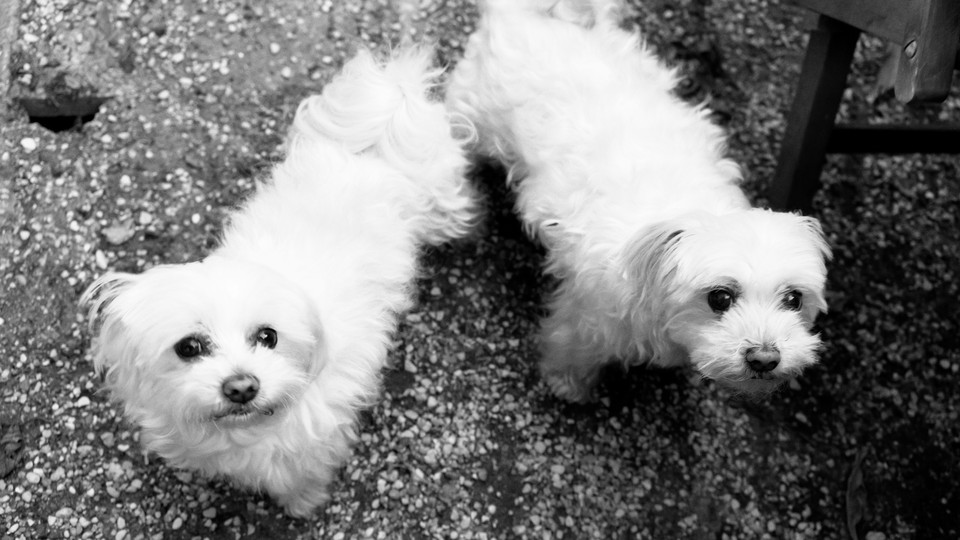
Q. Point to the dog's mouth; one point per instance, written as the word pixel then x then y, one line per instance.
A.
pixel 243 412
pixel 753 384
pixel 766 376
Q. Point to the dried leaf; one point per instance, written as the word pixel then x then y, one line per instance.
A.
pixel 11 448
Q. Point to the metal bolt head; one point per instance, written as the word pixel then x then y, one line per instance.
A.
pixel 910 49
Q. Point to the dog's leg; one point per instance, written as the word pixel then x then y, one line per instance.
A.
pixel 570 360
pixel 305 503
pixel 570 379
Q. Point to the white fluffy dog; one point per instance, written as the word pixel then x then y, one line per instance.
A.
pixel 253 363
pixel 659 256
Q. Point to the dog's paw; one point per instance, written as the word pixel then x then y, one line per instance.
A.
pixel 305 504
pixel 567 386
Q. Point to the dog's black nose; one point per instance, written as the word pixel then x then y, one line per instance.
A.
pixel 762 359
pixel 240 388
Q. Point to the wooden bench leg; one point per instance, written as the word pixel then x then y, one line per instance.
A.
pixel 823 78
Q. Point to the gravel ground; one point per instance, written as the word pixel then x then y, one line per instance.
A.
pixel 466 442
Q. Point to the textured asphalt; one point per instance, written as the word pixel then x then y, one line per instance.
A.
pixel 466 441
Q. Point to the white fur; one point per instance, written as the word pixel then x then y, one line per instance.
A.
pixel 324 253
pixel 628 188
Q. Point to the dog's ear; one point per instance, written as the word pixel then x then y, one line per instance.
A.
pixel 817 242
pixel 648 259
pixel 649 264
pixel 319 342
pixel 105 322
pixel 816 236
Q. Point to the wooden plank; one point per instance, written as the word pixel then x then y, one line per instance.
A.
pixel 883 18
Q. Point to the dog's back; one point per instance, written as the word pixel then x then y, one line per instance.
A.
pixel 585 113
pixel 384 110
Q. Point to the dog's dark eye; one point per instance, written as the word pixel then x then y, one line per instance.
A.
pixel 793 300
pixel 720 299
pixel 189 348
pixel 267 337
